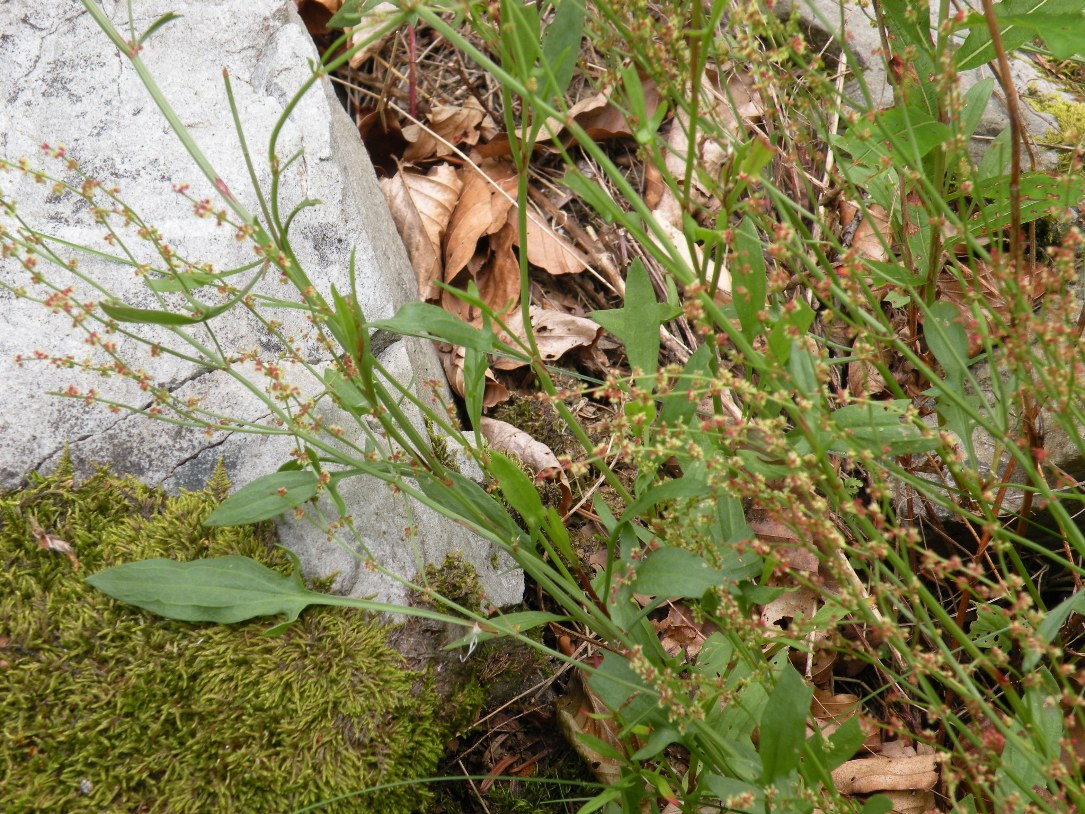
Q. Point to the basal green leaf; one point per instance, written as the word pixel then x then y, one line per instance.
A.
pixel 637 323
pixel 975 103
pixel 149 316
pixel 674 572
pixel 783 726
pixel 881 427
pixel 265 498
pixel 749 280
pixel 844 743
pixel 222 589
pixel 561 44
pixel 948 342
pixel 1064 34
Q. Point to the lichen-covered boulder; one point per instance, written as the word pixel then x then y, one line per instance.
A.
pixel 107 708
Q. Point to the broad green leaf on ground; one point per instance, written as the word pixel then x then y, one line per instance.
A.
pixel 673 572
pixel 748 277
pixel 637 324
pixel 977 48
pixel 880 427
pixel 222 589
pixel 1040 194
pixel 265 498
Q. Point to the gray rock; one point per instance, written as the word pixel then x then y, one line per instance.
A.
pixel 65 83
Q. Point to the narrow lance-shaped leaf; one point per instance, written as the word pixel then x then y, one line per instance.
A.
pixel 783 726
pixel 265 498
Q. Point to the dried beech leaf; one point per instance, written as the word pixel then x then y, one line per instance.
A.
pixel 872 237
pixel 912 802
pixel 536 455
pixel 373 20
pixel 499 280
pixel 482 210
pixel 826 705
pixel 316 13
pixel 785 544
pixel 556 333
pixel 446 126
pixel 873 774
pixel 798 604
pixel 422 206
pixel 607 121
pixel 452 361
pixel 546 248
pixel 581 711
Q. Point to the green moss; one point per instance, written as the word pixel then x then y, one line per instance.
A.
pixel 454 579
pixel 439 444
pixel 1070 117
pixel 106 708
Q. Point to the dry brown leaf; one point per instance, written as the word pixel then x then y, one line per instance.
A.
pixel 785 544
pixel 546 248
pixel 599 118
pixel 581 711
pixel 482 210
pixel 369 26
pixel 912 802
pixel 798 604
pixel 452 360
pixel 499 280
pixel 872 237
pixel 316 13
pixel 556 333
pixel 48 542
pixel 536 455
pixel 872 774
pixel 446 126
pixel 865 381
pixel 422 206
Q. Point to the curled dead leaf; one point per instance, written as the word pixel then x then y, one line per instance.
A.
pixel 452 361
pixel 546 248
pixel 481 210
pixel 556 333
pixel 48 542
pixel 422 206
pixel 366 29
pixel 873 774
pixel 581 711
pixel 447 126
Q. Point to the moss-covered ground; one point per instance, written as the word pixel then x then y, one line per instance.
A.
pixel 106 708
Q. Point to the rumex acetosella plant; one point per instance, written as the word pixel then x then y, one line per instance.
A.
pixel 770 481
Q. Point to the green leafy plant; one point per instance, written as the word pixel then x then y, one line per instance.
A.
pixel 964 652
